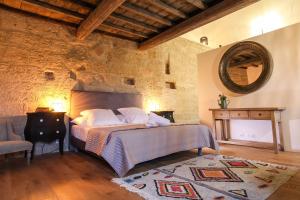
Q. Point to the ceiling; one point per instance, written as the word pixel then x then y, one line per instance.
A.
pixel 256 19
pixel 147 22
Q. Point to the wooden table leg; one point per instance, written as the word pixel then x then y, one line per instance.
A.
pixel 223 133
pixel 215 129
pixel 227 129
pixel 281 136
pixel 275 142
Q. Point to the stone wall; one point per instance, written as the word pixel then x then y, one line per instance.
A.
pixel 31 46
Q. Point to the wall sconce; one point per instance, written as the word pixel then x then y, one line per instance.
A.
pixel 152 105
pixel 58 106
pixel 204 40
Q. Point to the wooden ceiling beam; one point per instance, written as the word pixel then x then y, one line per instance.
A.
pixel 145 13
pixel 133 22
pixel 97 17
pixel 204 17
pixel 198 3
pixel 167 8
pixel 123 29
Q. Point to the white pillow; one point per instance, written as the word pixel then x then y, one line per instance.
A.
pixel 134 115
pixel 98 117
pixel 86 113
pixel 151 123
pixel 81 121
pixel 121 118
pixel 160 121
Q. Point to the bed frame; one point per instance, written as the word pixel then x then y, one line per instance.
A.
pixel 84 100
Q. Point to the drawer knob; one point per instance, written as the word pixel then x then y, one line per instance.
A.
pixel 259 114
pixel 57 131
pixel 57 120
pixel 221 114
pixel 41 133
pixel 239 114
pixel 41 120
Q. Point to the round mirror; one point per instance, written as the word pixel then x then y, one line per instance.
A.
pixel 245 67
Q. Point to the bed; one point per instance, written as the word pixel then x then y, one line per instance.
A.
pixel 124 146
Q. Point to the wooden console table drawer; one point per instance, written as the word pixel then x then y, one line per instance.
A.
pixel 221 114
pixel 239 114
pixel 260 115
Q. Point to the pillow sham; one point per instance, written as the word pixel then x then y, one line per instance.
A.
pixel 86 113
pixel 81 121
pixel 98 117
pixel 121 118
pixel 160 121
pixel 134 115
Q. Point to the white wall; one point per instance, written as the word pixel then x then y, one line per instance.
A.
pixel 282 90
pixel 262 16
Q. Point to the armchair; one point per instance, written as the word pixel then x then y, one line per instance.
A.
pixel 10 142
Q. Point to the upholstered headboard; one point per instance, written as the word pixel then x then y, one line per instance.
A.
pixel 84 100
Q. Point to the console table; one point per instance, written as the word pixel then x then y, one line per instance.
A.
pixel 225 115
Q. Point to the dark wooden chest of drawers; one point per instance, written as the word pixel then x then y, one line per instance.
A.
pixel 45 127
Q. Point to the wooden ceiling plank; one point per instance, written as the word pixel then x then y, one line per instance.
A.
pixel 97 17
pixel 204 17
pixel 55 7
pixel 145 13
pixel 117 35
pixel 83 4
pixel 133 22
pixel 45 10
pixel 253 61
pixel 123 29
pixel 69 5
pixel 167 8
pixel 198 3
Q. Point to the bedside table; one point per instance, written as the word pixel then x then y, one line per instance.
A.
pixel 45 127
pixel 166 114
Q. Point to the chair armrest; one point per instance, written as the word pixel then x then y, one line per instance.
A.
pixel 14 137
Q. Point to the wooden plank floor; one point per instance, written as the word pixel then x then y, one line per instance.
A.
pixel 79 176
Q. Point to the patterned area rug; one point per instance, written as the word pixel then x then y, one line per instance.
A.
pixel 209 177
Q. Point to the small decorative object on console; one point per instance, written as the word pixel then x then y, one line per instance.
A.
pixel 223 101
pixel 45 127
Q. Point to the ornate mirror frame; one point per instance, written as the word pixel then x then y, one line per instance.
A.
pixel 262 79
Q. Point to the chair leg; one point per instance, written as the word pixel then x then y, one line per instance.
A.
pixel 28 155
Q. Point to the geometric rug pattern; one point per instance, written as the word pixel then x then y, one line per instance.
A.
pixel 209 177
pixel 237 164
pixel 219 174
pixel 176 189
